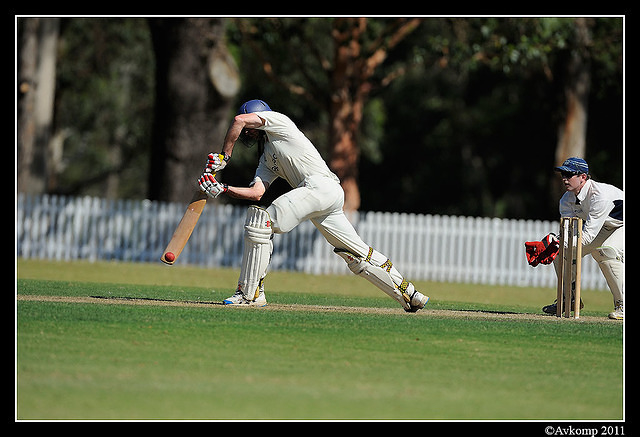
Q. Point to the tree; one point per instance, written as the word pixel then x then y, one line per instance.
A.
pixel 473 129
pixel 196 80
pixel 99 124
pixel 475 105
pixel 563 48
pixel 349 53
pixel 577 83
pixel 36 91
pixel 352 79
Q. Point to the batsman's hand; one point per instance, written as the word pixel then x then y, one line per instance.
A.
pixel 216 162
pixel 210 186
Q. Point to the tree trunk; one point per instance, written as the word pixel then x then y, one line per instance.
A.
pixel 351 84
pixel 573 131
pixel 192 104
pixel 345 154
pixel 345 116
pixel 36 91
pixel 345 109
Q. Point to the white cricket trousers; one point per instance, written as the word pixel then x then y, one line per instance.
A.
pixel 607 249
pixel 320 199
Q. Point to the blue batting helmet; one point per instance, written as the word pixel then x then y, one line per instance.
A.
pixel 253 106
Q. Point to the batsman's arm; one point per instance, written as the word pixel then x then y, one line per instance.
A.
pixel 253 192
pixel 240 121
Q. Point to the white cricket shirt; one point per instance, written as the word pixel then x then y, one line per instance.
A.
pixel 598 204
pixel 288 153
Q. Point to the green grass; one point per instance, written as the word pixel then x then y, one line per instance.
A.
pixel 123 361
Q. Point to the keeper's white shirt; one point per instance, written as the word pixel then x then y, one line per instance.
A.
pixel 288 153
pixel 598 204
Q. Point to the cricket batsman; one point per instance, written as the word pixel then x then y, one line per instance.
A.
pixel 316 195
pixel 599 205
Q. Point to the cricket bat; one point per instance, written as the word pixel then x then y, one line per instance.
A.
pixel 185 228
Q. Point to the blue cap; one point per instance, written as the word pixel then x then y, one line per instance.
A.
pixel 574 165
pixel 253 106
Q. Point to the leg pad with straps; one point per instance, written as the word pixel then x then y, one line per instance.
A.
pixel 256 256
pixel 380 275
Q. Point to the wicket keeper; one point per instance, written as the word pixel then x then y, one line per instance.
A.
pixel 599 205
pixel 316 195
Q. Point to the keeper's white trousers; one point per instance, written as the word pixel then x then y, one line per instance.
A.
pixel 607 249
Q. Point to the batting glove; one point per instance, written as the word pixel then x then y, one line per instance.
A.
pixel 216 162
pixel 210 186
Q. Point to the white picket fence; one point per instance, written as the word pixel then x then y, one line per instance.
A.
pixel 423 247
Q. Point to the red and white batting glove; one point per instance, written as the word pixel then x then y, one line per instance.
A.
pixel 216 162
pixel 210 186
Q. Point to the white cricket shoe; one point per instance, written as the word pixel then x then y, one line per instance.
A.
pixel 618 312
pixel 238 299
pixel 417 302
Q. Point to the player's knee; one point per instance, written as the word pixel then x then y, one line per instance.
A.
pixel 606 253
pixel 355 264
pixel 258 226
pixel 276 226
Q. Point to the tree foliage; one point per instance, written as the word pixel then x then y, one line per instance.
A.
pixel 471 124
pixel 104 105
pixel 455 116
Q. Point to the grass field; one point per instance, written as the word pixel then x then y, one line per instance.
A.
pixel 140 341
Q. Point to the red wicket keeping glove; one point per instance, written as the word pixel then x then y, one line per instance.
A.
pixel 542 252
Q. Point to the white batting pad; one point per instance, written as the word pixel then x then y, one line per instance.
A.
pixel 383 276
pixel 257 251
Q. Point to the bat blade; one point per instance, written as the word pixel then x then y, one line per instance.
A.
pixel 185 227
